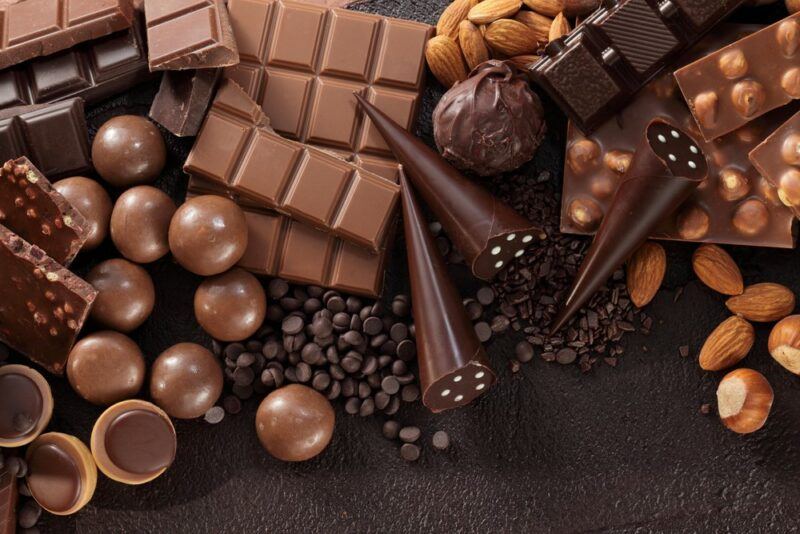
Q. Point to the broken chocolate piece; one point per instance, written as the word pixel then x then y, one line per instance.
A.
pixel 183 99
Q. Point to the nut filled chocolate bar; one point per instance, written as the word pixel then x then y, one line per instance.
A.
pixel 777 159
pixel 597 69
pixel 33 28
pixel 8 501
pixel 183 99
pixel 744 80
pixel 44 304
pixel 53 136
pixel 237 148
pixel 31 208
pixel 303 63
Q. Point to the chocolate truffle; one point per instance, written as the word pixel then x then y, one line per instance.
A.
pixel 140 223
pixel 129 150
pixel 106 367
pixel 92 200
pixel 61 473
pixel 26 405
pixel 208 235
pixel 230 306
pixel 186 380
pixel 491 122
pixel 295 423
pixel 125 297
pixel 133 442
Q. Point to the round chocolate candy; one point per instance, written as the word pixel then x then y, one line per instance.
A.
pixel 129 150
pixel 61 473
pixel 208 235
pixel 133 442
pixel 186 380
pixel 106 367
pixel 26 405
pixel 295 423
pixel 230 306
pixel 140 223
pixel 125 297
pixel 92 200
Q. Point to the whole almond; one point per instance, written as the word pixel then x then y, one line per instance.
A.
pixel 525 61
pixel 646 270
pixel 551 8
pixel 492 10
pixel 727 344
pixel 578 8
pixel 445 60
pixel 763 302
pixel 452 16
pixel 559 28
pixel 472 44
pixel 716 269
pixel 538 23
pixel 511 38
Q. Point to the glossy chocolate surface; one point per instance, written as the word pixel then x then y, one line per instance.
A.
pixel 21 406
pixel 125 294
pixel 93 202
pixel 54 477
pixel 9 495
pixel 140 223
pixel 230 306
pixel 777 158
pixel 140 442
pixel 183 99
pixel 186 380
pixel 128 150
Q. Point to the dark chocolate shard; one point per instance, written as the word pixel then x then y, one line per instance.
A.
pixel 453 367
pixel 488 233
pixel 183 99
pixel 8 501
pixel 667 168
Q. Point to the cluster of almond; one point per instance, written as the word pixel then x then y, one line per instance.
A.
pixel 470 32
pixel 744 396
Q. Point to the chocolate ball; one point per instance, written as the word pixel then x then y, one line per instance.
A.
pixel 230 306
pixel 129 150
pixel 186 380
pixel 140 223
pixel 295 423
pixel 106 367
pixel 208 235
pixel 125 297
pixel 491 122
pixel 92 200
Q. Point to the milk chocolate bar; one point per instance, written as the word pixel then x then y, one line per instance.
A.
pixel 33 28
pixel 777 159
pixel 235 147
pixel 44 304
pixel 53 136
pixel 8 501
pixel 596 70
pixel 31 208
pixel 744 80
pixel 183 99
pixel 189 34
pixel 303 63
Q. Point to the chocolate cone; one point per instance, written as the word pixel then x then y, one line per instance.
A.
pixel 453 367
pixel 486 232
pixel 667 167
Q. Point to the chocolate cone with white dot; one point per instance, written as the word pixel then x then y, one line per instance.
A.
pixel 488 233
pixel 667 168
pixel 453 367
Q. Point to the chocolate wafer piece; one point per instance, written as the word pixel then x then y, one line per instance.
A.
pixel 8 501
pixel 44 304
pixel 488 233
pixel 183 99
pixel 777 159
pixel 453 367
pixel 53 136
pixel 189 34
pixel 235 147
pixel 33 28
pixel 667 167
pixel 742 81
pixel 30 207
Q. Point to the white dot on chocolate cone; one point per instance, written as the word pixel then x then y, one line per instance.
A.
pixel 479 375
pixel 527 239
pixel 480 386
pixel 662 138
pixel 519 253
pixel 675 134
pixel 496 251
pixel 445 393
pixel 511 237
pixel 457 378
pixel 692 165
pixel 459 398
pixel 693 149
pixel 498 264
pixel 672 157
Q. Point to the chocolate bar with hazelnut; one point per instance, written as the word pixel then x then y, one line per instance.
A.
pixel 778 161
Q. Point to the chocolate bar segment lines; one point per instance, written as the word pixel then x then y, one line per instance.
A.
pixel 778 161
pixel 8 501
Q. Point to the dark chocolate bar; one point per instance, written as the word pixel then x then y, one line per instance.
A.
pixel 33 28
pixel 236 148
pixel 777 159
pixel 53 136
pixel 742 81
pixel 599 67
pixel 8 501
pixel 189 34
pixel 44 304
pixel 183 99
pixel 31 208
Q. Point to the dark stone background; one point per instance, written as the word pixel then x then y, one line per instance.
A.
pixel 547 449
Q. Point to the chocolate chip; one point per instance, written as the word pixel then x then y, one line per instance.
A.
pixel 409 452
pixel 321 381
pixel 441 440
pixel 277 288
pixel 382 400
pixel 352 406
pixel 390 385
pixel 683 350
pixel 410 393
pixel 406 350
pixel 29 514
pixel 474 309
pixel 292 325
pixel 398 332
pixel 336 304
pixel 566 356
pixel 485 295
pixel 391 429
pixel 232 404
pixel 410 434
pixel 484 331
pixel 400 306
pixel 214 415
pixel 367 408
pixel 524 351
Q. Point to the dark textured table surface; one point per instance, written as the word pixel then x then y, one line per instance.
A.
pixel 548 449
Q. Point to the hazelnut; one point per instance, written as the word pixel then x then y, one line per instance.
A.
pixel 788 36
pixel 789 190
pixel 585 213
pixel 790 151
pixel 784 343
pixel 693 223
pixel 768 192
pixel 664 87
pixel 733 64
pixel 751 217
pixel 792 6
pixel 733 184
pixel 582 155
pixel 744 399
pixel 705 108
pixel 790 82
pixel 748 97
pixel 618 160
pixel 603 185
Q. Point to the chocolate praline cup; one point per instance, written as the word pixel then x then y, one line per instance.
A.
pixel 62 475
pixel 133 442
pixel 26 405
